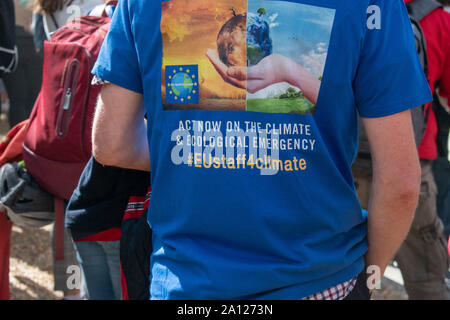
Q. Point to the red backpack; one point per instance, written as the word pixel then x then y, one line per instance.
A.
pixel 57 144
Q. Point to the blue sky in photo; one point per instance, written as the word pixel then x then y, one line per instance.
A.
pixel 298 31
pixel 312 27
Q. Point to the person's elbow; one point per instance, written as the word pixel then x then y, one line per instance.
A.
pixel 103 150
pixel 106 144
pixel 403 182
pixel 118 123
pixel 408 186
pixel 396 164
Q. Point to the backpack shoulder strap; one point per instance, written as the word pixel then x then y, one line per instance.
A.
pixel 54 20
pixel 421 8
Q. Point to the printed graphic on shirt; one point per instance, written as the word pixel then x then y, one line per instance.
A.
pixel 256 55
pixel 182 84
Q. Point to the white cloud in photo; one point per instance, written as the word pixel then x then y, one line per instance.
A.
pixel 273 17
pixel 271 91
pixel 314 60
pixel 321 47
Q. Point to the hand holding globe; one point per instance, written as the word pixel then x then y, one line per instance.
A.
pixel 245 41
pixel 222 69
pixel 242 40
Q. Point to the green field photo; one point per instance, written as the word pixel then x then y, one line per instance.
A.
pixel 291 101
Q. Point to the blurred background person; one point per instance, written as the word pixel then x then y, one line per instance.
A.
pixel 24 84
pixel 441 166
pixel 56 13
pixel 99 261
pixel 7 61
pixel 423 257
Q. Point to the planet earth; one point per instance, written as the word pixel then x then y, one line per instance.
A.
pixel 259 43
pixel 181 84
pixel 231 41
pixel 244 40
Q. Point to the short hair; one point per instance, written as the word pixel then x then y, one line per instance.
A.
pixel 50 6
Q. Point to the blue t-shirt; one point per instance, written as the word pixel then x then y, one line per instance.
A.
pixel 252 129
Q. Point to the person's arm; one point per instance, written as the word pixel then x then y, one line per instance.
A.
pixel 274 68
pixel 222 69
pixel 277 68
pixel 119 135
pixel 395 187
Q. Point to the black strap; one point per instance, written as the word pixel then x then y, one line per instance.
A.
pixel 420 8
pixel 54 20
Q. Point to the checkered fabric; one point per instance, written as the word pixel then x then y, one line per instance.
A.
pixel 337 292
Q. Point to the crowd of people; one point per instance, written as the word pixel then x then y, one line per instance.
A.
pixel 145 220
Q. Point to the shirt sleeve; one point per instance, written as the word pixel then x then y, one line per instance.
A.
pixel 390 78
pixel 118 61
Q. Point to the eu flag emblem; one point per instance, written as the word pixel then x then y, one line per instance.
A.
pixel 181 84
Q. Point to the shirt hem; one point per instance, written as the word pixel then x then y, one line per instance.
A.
pixel 301 291
pixel 115 79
